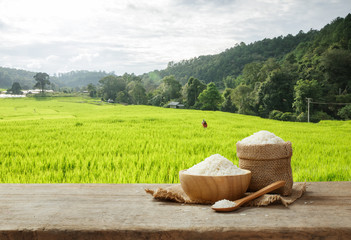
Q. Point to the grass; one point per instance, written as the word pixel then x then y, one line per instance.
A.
pixel 81 140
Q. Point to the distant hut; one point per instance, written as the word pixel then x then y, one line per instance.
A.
pixel 175 105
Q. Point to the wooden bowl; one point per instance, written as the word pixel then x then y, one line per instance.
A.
pixel 214 188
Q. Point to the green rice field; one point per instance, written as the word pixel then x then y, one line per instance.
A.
pixel 81 140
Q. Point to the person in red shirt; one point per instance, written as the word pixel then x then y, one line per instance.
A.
pixel 204 123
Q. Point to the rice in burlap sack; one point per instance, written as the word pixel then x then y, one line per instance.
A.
pixel 268 163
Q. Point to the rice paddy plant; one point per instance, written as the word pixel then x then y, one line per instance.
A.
pixel 78 140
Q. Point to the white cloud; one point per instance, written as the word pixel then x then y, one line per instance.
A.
pixel 51 58
pixel 34 64
pixel 84 57
pixel 140 36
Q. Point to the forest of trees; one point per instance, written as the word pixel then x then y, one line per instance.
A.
pixel 8 76
pixel 274 77
pixel 271 78
pixel 78 79
pixel 74 80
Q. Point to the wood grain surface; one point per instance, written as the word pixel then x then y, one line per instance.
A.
pixel 125 211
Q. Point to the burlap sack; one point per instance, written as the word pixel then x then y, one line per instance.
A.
pixel 268 163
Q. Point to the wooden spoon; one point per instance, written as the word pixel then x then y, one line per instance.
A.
pixel 252 196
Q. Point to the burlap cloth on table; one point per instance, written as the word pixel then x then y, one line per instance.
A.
pixel 175 193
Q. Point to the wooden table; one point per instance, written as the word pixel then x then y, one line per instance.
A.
pixel 125 211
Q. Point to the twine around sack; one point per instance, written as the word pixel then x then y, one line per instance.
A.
pixel 268 163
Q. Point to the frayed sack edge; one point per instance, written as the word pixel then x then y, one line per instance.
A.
pixel 173 193
pixel 297 191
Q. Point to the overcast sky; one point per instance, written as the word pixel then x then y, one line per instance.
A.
pixel 140 36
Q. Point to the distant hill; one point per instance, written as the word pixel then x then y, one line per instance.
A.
pixel 79 78
pixel 231 62
pixel 302 48
pixel 10 75
pixel 272 78
pixel 214 68
pixel 71 79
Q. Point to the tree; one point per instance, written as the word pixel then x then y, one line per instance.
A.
pixel 111 85
pixel 210 98
pixel 137 92
pixel 336 64
pixel 42 80
pixel 123 97
pixel 231 81
pixel 192 90
pixel 170 88
pixel 228 103
pixel 276 93
pixel 252 72
pixel 92 90
pixel 16 88
pixel 131 78
pixel 306 89
pixel 243 99
pixel 345 112
pixel 155 98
